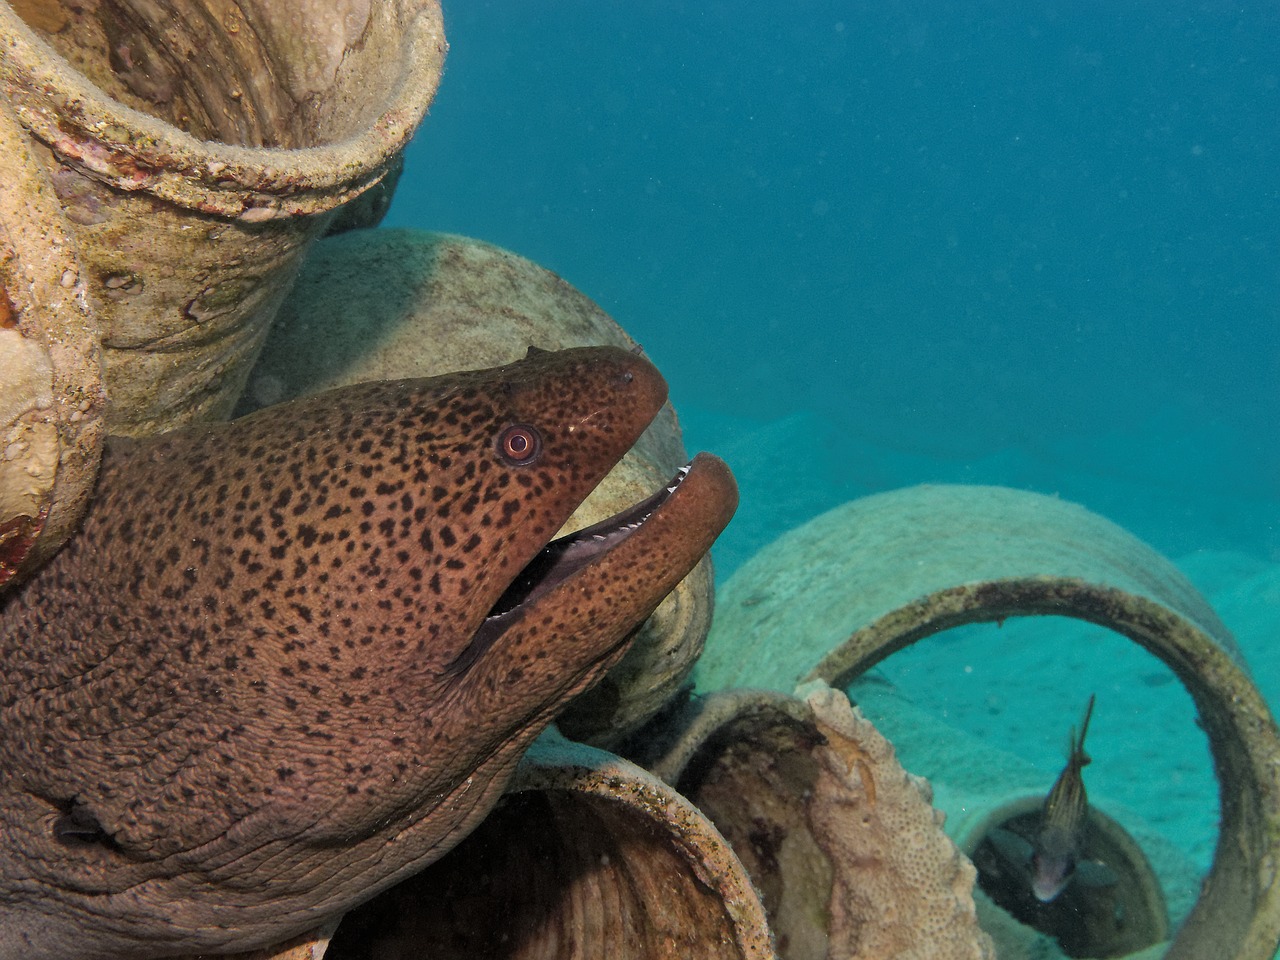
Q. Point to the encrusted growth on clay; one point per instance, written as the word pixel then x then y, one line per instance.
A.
pixel 848 854
pixel 910 892
pixel 50 385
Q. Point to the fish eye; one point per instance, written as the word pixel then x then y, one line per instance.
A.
pixel 519 444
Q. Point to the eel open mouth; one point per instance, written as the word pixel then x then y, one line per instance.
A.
pixel 558 561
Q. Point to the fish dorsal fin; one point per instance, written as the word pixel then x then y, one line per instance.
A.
pixel 1075 747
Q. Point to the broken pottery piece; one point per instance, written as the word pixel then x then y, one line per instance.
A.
pixel 383 304
pixel 833 598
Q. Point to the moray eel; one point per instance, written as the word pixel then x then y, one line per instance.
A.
pixel 291 659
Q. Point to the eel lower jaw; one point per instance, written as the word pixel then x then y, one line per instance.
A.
pixel 557 562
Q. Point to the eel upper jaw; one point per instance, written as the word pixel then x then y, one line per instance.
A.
pixel 556 562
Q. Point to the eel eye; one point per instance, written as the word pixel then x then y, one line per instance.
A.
pixel 519 444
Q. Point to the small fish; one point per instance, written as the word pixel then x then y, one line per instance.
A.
pixel 1053 857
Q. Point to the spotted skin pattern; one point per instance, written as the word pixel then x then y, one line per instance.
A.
pixel 250 693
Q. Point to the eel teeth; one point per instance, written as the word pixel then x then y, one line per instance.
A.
pixel 565 555
pixel 555 563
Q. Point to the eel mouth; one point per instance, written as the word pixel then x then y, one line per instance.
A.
pixel 557 562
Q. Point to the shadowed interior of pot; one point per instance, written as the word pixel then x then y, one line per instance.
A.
pixel 752 780
pixel 270 73
pixel 548 876
pixel 1115 918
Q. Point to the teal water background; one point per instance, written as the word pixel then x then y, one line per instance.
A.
pixel 877 244
pixel 949 230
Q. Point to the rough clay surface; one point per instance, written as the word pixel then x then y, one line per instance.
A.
pixel 911 895
pixel 51 401
pixel 844 845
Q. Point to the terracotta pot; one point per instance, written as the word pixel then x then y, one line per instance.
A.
pixel 844 846
pixel 588 856
pixel 196 148
pixel 833 598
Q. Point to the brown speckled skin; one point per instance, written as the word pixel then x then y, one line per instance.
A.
pixel 244 667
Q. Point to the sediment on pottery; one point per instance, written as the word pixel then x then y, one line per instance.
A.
pixel 588 856
pixel 848 854
pixel 383 304
pixel 51 399
pixel 901 566
pixel 197 148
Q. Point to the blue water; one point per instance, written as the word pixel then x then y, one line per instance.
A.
pixel 874 244
pixel 951 231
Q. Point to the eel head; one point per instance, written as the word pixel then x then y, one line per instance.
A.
pixel 293 658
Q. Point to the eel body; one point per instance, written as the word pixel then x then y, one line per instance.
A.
pixel 293 658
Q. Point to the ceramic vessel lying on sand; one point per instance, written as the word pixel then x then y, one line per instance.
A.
pixel 195 150
pixel 383 304
pixel 903 565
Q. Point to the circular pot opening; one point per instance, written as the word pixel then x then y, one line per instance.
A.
pixel 252 74
pixel 551 873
